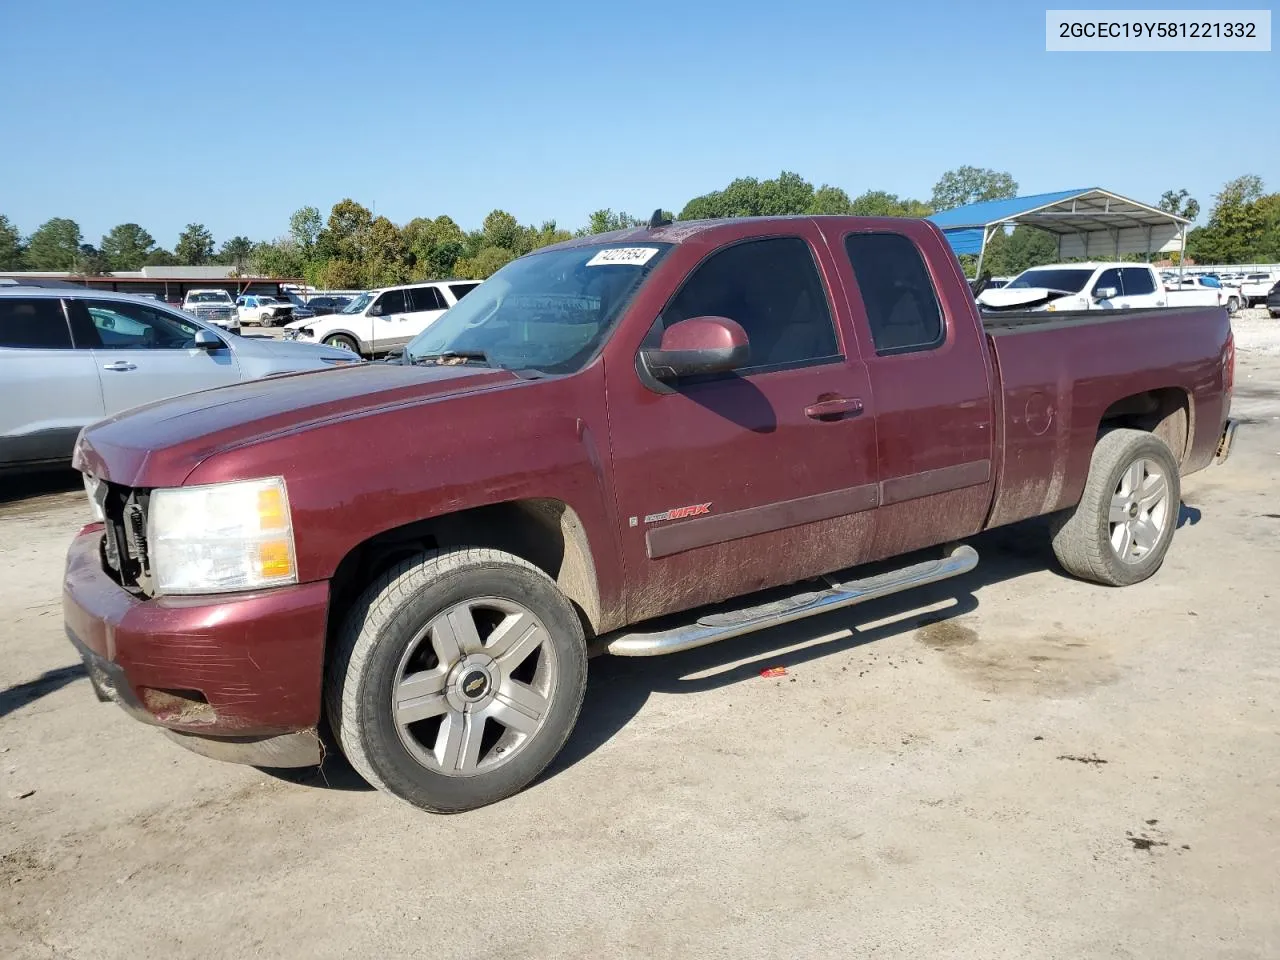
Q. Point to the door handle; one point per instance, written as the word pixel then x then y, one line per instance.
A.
pixel 834 408
pixel 120 365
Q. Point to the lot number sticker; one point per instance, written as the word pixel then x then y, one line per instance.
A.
pixel 628 256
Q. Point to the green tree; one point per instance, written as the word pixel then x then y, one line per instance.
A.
pixel 11 249
pixel 434 246
pixel 385 259
pixel 1237 224
pixel 830 200
pixel 1026 247
pixel 606 221
pixel 126 246
pixel 532 238
pixel 339 274
pixel 501 229
pixel 91 262
pixel 160 257
pixel 277 258
pixel 55 245
pixel 304 228
pixel 748 197
pixel 195 245
pixel 1180 203
pixel 345 233
pixel 484 264
pixel 237 252
pixel 968 184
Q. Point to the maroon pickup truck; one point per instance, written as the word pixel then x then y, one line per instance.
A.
pixel 657 423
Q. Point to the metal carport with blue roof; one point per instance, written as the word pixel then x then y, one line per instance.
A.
pixel 1089 222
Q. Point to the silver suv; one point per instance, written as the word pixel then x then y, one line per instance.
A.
pixel 69 357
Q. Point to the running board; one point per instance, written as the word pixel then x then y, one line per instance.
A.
pixel 721 626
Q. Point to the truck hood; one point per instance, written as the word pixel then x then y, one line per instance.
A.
pixel 1021 298
pixel 159 444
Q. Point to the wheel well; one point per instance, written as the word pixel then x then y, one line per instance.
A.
pixel 1165 412
pixel 547 533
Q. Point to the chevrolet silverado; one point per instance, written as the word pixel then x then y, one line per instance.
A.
pixel 614 443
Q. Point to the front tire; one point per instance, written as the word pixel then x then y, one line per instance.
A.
pixel 1119 532
pixel 456 679
pixel 342 342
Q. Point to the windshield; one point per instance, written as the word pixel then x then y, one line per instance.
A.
pixel 267 301
pixel 209 296
pixel 1069 281
pixel 358 304
pixel 548 312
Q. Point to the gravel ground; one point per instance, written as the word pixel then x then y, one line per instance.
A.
pixel 1013 764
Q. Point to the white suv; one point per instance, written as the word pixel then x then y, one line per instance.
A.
pixel 383 320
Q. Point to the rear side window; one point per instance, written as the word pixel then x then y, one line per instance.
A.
pixel 1137 281
pixel 428 298
pixel 36 324
pixel 902 306
pixel 460 290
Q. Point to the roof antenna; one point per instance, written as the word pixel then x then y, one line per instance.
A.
pixel 659 219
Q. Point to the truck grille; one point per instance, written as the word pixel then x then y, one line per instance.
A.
pixel 124 542
pixel 212 314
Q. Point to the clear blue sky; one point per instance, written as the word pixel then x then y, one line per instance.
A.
pixel 235 114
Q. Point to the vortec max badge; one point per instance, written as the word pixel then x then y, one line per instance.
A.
pixel 679 513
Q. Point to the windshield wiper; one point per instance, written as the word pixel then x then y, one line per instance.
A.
pixel 452 357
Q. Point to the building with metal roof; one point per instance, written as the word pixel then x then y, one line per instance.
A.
pixel 167 283
pixel 1089 222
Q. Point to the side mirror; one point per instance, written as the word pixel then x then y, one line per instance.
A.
pixel 375 310
pixel 1105 293
pixel 698 345
pixel 207 341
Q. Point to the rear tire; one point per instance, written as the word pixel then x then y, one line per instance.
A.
pixel 456 679
pixel 1119 532
pixel 342 342
pixel 1233 304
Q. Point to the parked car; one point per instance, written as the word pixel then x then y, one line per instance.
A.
pixel 301 311
pixel 610 430
pixel 1255 288
pixel 380 321
pixel 1210 289
pixel 1092 286
pixel 68 358
pixel 260 310
pixel 213 307
pixel 324 305
pixel 1273 300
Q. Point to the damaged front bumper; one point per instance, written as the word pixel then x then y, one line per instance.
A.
pixel 234 677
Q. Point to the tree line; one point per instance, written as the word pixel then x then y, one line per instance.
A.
pixel 352 248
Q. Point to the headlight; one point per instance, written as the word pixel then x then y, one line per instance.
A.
pixel 222 537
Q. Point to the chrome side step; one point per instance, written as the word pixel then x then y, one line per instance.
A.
pixel 721 626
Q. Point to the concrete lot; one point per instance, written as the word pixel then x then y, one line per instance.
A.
pixel 1013 764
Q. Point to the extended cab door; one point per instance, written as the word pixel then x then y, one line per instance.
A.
pixel 735 482
pixel 143 354
pixel 48 388
pixel 931 374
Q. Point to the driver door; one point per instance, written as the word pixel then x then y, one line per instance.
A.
pixel 389 316
pixel 143 354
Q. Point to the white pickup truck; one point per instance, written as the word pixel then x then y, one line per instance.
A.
pixel 1093 286
pixel 1254 288
pixel 383 320
pixel 212 306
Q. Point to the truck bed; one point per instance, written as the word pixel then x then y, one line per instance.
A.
pixel 1063 375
